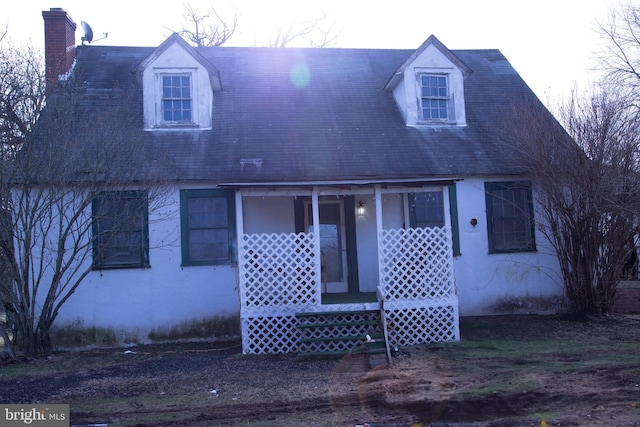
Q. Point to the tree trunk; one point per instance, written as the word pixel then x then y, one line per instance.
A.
pixel 7 346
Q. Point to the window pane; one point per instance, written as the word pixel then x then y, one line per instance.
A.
pixel 120 223
pixel 206 226
pixel 176 103
pixel 123 249
pixel 186 110
pixel 208 212
pixel 208 245
pixel 429 209
pixel 435 97
pixel 511 217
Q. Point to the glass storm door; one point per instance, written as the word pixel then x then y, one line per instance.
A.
pixel 333 244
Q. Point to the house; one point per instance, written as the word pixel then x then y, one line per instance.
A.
pixel 307 180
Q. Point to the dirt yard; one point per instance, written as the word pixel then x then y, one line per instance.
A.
pixel 506 371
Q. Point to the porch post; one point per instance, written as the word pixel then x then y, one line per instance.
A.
pixel 240 279
pixel 239 216
pixel 315 213
pixel 447 210
pixel 378 202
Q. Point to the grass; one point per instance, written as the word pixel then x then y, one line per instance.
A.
pixel 75 334
pixel 543 369
pixel 208 327
pixel 519 361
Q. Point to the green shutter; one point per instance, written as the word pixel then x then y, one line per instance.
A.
pixel 455 226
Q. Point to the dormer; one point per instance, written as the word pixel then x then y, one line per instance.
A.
pixel 178 85
pixel 429 87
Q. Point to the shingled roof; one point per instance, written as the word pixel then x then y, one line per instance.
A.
pixel 341 126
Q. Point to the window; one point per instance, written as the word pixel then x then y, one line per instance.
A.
pixel 120 230
pixel 510 217
pixel 428 209
pixel 176 98
pixel 208 227
pixel 434 96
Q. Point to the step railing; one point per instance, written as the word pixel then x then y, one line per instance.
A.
pixel 383 320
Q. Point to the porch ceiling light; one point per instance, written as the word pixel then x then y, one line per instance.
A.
pixel 360 209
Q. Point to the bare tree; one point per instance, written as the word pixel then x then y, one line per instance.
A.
pixel 208 28
pixel 22 98
pixel 587 191
pixel 56 163
pixel 587 184
pixel 22 92
pixel 620 60
pixel 316 32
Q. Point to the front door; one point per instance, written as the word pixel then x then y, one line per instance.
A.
pixel 333 244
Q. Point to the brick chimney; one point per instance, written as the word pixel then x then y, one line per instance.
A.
pixel 59 45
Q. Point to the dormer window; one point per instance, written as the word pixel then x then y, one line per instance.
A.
pixel 176 99
pixel 435 96
pixel 176 102
pixel 429 87
pixel 178 84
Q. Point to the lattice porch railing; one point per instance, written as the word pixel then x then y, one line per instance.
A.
pixel 417 281
pixel 280 275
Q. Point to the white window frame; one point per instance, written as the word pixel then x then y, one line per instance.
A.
pixel 159 74
pixel 448 98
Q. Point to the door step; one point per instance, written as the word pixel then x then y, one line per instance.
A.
pixel 340 333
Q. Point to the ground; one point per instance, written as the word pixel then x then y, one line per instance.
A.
pixel 506 371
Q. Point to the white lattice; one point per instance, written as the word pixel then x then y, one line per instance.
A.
pixel 417 325
pixel 277 279
pixel 269 335
pixel 280 273
pixel 417 281
pixel 278 270
pixel 416 263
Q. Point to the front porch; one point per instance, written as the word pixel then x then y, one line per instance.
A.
pixel 282 273
pixel 349 298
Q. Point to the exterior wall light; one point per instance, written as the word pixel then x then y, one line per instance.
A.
pixel 360 209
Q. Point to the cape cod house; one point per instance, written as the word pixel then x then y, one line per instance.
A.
pixel 316 180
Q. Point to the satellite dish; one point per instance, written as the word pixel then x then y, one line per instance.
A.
pixel 88 32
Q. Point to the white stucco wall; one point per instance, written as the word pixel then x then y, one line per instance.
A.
pixel 279 210
pixel 135 301
pixel 499 283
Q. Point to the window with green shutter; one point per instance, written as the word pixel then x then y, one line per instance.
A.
pixel 207 227
pixel 426 209
pixel 510 222
pixel 120 230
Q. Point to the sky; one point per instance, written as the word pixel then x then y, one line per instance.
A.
pixel 553 44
